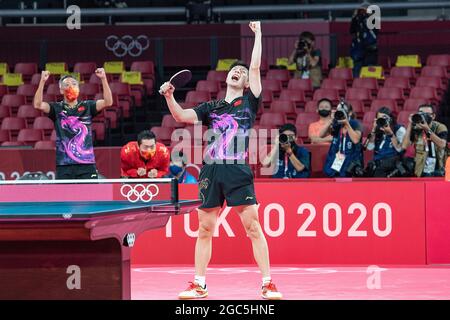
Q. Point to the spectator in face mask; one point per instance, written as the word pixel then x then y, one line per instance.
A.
pixel 177 169
pixel 324 107
pixel 144 158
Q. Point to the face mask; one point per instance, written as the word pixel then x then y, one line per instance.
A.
pixel 324 113
pixel 148 154
pixel 71 93
pixel 175 170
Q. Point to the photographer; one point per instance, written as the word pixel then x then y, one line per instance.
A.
pixel 293 161
pixel 430 141
pixel 345 157
pixel 364 48
pixel 385 140
pixel 307 59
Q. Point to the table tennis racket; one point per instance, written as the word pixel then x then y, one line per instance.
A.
pixel 180 79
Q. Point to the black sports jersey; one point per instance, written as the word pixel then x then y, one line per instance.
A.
pixel 229 125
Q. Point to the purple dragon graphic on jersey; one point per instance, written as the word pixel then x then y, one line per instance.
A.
pixel 74 147
pixel 226 127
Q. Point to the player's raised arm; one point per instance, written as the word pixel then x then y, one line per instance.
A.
pixel 179 114
pixel 255 64
pixel 107 100
pixel 38 96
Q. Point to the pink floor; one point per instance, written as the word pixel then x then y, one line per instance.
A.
pixel 297 283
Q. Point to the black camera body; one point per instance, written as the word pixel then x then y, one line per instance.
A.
pixel 421 118
pixel 303 46
pixel 284 139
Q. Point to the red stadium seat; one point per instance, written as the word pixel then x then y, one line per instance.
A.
pixel 366 83
pixel 5 112
pixel 357 107
pixel 272 120
pixel 3 90
pixel 311 106
pixel 194 98
pixel 403 117
pixel 99 130
pixel 26 69
pixel 297 96
pixel 89 90
pixel 389 103
pixel 12 144
pixel 434 82
pixel 163 134
pixel 30 136
pixel 14 125
pixel 147 70
pixel 13 101
pixel 212 86
pixel 267 98
pixel 4 135
pixel 85 69
pixel 220 76
pixel 36 79
pixel 369 117
pixel 123 92
pixel 331 94
pixel 44 123
pixel 94 79
pixel 342 73
pixel 279 74
pixel 45 145
pixel 272 85
pixel 403 72
pixel 434 71
pixel 169 122
pixel 413 104
pixel 27 90
pixel 442 60
pixel 286 107
pixel 428 93
pixel 362 94
pixel 301 84
pixel 397 82
pixel 53 136
pixel 391 93
pixel 52 98
pixel 53 88
pixel 338 84
pixel 28 112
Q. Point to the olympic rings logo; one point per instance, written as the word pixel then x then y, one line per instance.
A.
pixel 139 192
pixel 127 45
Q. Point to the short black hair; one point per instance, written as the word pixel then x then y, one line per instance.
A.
pixel 307 35
pixel 145 135
pixel 325 99
pixel 67 76
pixel 385 110
pixel 239 63
pixel 427 105
pixel 288 126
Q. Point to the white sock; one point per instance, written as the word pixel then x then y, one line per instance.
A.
pixel 200 280
pixel 266 280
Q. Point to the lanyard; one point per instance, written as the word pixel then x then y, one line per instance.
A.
pixel 342 138
pixel 286 162
pixel 427 146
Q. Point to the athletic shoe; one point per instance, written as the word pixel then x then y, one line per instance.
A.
pixel 194 291
pixel 269 291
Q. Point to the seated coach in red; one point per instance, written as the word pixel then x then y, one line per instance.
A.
pixel 144 158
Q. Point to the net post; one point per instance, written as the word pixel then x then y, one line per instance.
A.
pixel 174 190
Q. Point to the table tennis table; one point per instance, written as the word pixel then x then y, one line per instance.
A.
pixel 77 249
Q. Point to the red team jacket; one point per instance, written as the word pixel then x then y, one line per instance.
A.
pixel 131 160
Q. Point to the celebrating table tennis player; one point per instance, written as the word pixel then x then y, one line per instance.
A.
pixel 144 158
pixel 225 174
pixel 73 120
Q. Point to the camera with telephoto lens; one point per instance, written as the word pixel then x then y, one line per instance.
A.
pixel 284 139
pixel 421 118
pixel 380 124
pixel 303 46
pixel 341 112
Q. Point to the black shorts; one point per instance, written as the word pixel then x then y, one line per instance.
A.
pixel 231 182
pixel 76 171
